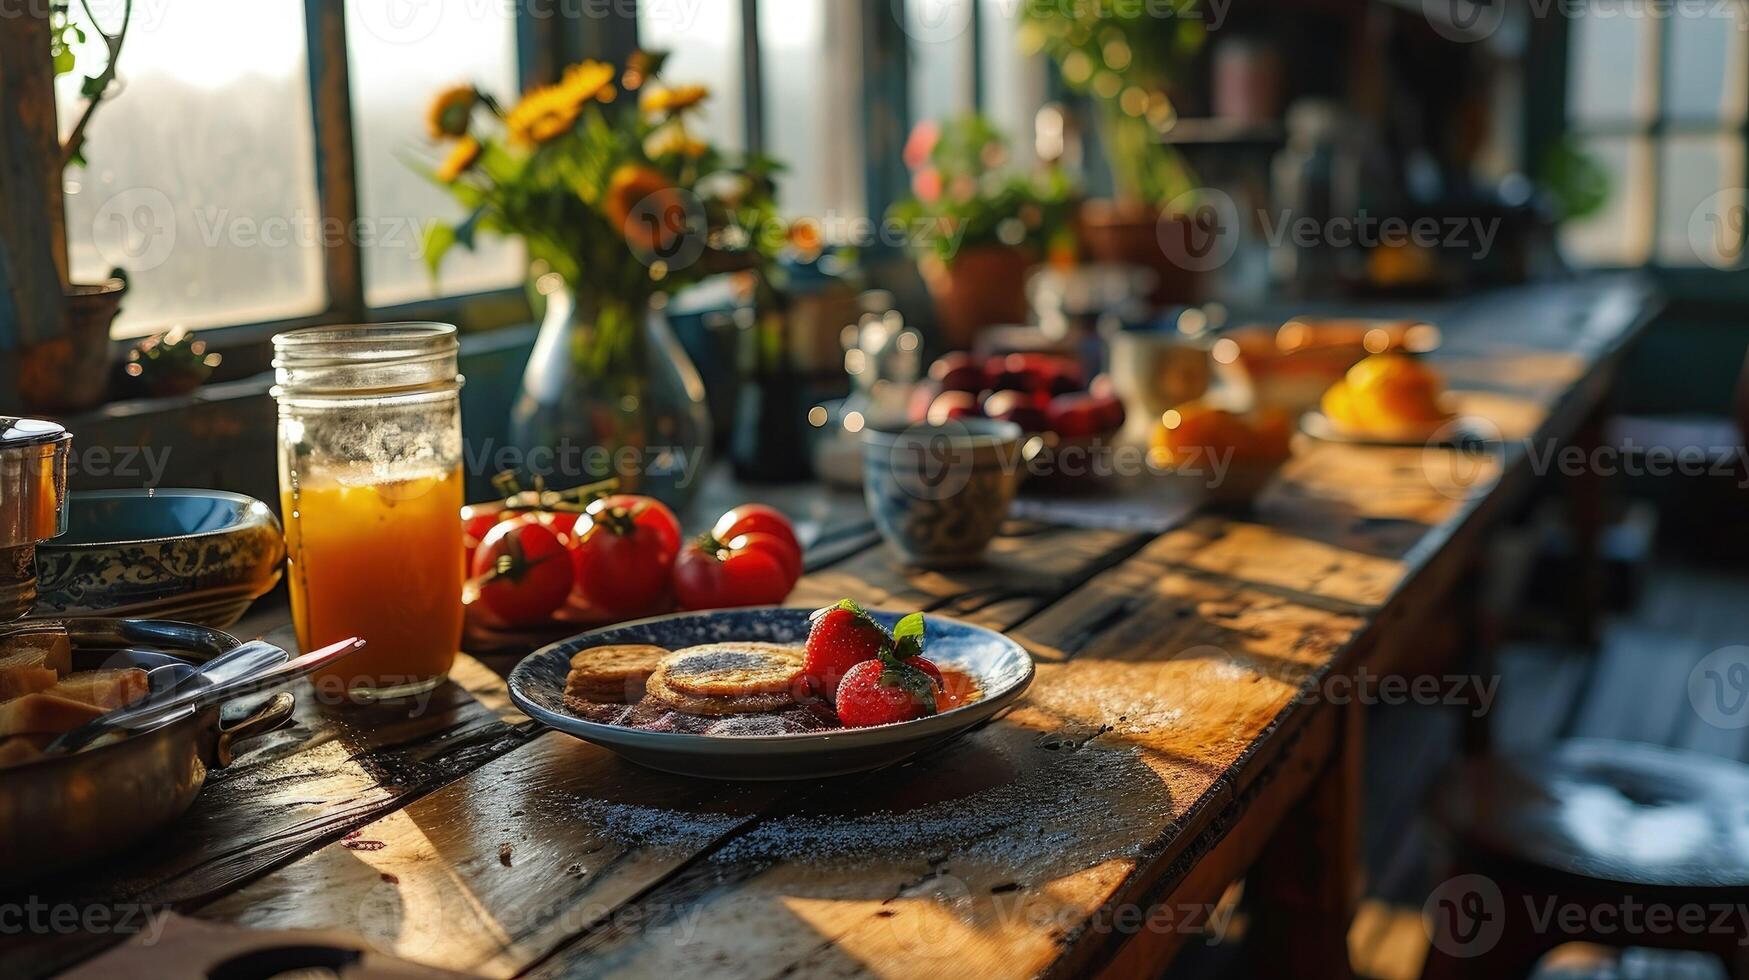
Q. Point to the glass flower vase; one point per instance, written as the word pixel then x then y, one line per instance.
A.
pixel 610 392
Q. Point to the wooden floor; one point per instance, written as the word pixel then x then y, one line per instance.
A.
pixel 1634 686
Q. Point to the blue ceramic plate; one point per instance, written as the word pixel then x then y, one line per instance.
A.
pixel 999 665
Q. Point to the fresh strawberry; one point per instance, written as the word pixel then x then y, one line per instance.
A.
pixel 841 637
pixel 898 686
pixel 878 692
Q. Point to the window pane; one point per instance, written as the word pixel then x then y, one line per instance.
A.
pixel 1014 82
pixel 811 54
pixel 703 41
pixel 1700 208
pixel 940 37
pixel 1703 75
pixel 1607 78
pixel 396 66
pixel 201 177
pixel 1615 234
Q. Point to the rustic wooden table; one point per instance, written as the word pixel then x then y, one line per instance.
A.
pixel 1187 728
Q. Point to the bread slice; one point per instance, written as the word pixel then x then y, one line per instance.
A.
pixel 19 679
pixel 31 662
pixel 42 648
pixel 16 750
pixel 44 713
pixel 104 689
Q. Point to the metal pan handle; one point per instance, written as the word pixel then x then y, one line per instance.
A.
pixel 270 715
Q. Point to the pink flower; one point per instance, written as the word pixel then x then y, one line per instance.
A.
pixel 926 184
pixel 924 136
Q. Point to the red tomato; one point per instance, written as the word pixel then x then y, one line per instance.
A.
pixel 623 561
pixel 645 512
pixel 751 518
pixel 747 571
pixel 524 573
pixel 477 519
pixel 562 522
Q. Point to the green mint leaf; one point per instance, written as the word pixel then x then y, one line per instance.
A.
pixel 911 625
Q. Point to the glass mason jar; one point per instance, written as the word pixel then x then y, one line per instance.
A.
pixel 370 480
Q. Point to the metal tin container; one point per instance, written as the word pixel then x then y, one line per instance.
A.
pixel 33 503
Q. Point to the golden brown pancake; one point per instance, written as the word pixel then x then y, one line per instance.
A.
pixel 716 670
pixel 614 673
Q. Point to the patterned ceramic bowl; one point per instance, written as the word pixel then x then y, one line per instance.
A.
pixel 938 493
pixel 199 556
pixel 1000 666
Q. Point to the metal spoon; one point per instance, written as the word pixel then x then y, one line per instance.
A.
pixel 249 668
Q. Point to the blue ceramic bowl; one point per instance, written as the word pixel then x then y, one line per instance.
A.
pixel 1000 666
pixel 199 556
pixel 939 493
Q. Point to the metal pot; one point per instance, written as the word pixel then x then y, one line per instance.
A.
pixel 68 810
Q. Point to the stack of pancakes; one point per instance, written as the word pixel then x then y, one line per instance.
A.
pixel 716 688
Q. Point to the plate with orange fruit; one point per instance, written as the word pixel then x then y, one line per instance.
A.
pixel 1392 399
pixel 1231 455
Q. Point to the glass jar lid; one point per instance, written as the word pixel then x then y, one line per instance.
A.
pixel 366 359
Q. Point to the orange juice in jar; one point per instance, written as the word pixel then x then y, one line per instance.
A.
pixel 382 562
pixel 371 494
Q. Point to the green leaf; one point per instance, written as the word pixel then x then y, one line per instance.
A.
pixel 92 87
pixel 439 239
pixel 911 625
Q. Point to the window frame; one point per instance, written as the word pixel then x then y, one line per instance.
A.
pixel 1682 278
pixel 546 43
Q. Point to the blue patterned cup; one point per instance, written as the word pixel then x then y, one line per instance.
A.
pixel 939 493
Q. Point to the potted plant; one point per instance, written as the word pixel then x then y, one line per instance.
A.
pixel 68 371
pixel 977 225
pixel 619 204
pixel 1126 58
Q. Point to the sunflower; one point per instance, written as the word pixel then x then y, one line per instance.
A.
pixel 662 211
pixel 672 139
pixel 449 112
pixel 549 112
pixel 676 99
pixel 589 80
pixel 542 115
pixel 461 158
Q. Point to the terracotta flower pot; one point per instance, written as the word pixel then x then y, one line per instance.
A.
pixel 1128 233
pixel 982 287
pixel 71 373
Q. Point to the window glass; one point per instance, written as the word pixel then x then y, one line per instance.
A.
pixel 396 65
pixel 811 55
pixel 1700 208
pixel 1606 78
pixel 940 35
pixel 1613 235
pixel 201 167
pixel 1703 75
pixel 703 41
pixel 1013 81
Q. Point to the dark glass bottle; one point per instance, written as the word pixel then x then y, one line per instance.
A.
pixel 770 441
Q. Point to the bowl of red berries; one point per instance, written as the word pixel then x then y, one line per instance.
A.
pixel 773 693
pixel 1073 420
